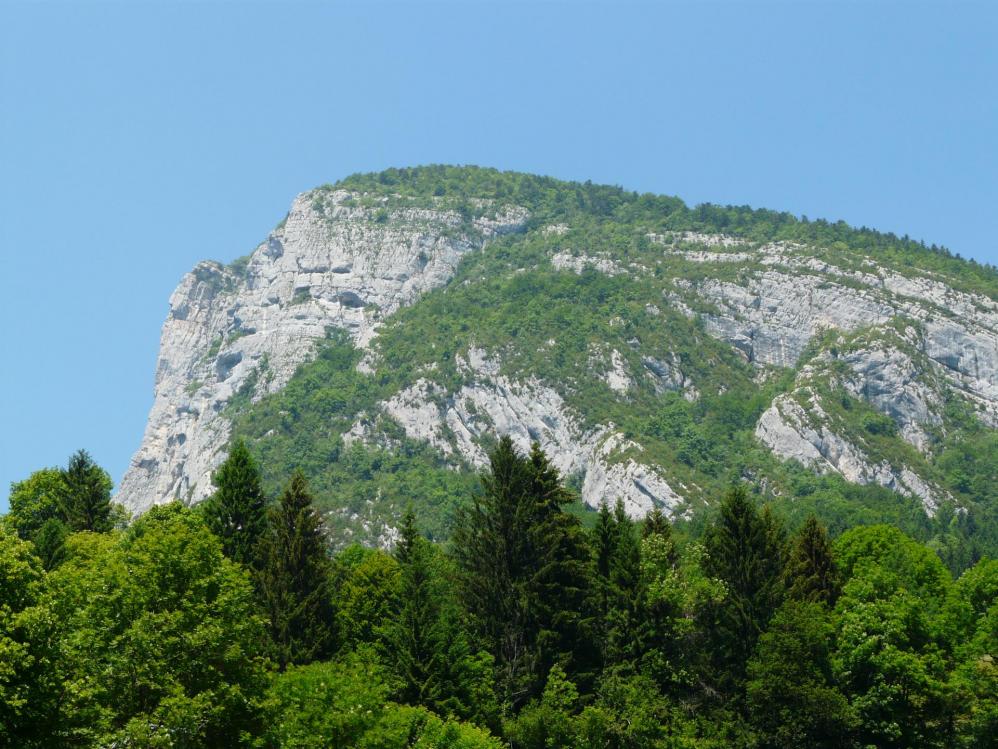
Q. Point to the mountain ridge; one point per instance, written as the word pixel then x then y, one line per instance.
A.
pixel 656 351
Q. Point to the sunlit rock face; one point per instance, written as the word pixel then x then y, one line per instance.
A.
pixel 336 261
pixel 836 328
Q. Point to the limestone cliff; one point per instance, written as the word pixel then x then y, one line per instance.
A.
pixel 480 309
pixel 337 260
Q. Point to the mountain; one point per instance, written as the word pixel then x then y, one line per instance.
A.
pixel 393 324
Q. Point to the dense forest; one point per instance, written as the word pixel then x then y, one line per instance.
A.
pixel 230 624
pixel 539 321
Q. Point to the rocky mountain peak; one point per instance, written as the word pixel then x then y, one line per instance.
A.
pixel 656 352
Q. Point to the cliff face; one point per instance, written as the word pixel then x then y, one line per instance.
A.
pixel 861 357
pixel 336 261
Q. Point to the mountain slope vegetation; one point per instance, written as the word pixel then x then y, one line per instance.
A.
pixel 619 307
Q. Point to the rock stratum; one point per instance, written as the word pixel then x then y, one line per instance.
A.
pixel 655 351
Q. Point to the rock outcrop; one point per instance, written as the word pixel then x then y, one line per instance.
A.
pixel 337 260
pixel 841 328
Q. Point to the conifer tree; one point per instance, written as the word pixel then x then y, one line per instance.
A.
pixel 85 495
pixel 237 511
pixel 744 550
pixel 425 640
pixel 811 574
pixel 50 543
pixel 295 582
pixel 524 565
pixel 656 523
pixel 604 542
pixel 625 584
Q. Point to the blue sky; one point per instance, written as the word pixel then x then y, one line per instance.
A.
pixel 139 138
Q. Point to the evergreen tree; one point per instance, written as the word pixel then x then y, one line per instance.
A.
pixel 425 639
pixel 792 699
pixel 744 550
pixel 523 563
pixel 50 543
pixel 604 543
pixel 295 579
pixel 237 511
pixel 656 523
pixel 85 495
pixel 413 635
pixel 625 586
pixel 811 574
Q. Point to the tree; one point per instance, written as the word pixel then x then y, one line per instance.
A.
pixel 894 647
pixel 810 573
pixel 85 495
pixel 547 723
pixel 604 543
pixel 237 511
pixel 656 523
pixel 619 580
pixel 29 688
pixel 366 589
pixel 792 700
pixel 976 675
pixel 159 638
pixel 34 501
pixel 295 582
pixel 425 639
pixel 744 550
pixel 345 704
pixel 50 543
pixel 523 563
pixel 677 596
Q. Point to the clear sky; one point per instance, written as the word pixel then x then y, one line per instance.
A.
pixel 138 138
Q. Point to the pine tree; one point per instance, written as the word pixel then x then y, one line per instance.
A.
pixel 560 582
pixel 810 573
pixel 625 579
pixel 656 523
pixel 85 495
pixel 524 566
pixel 604 542
pixel 237 511
pixel 295 582
pixel 412 635
pixel 425 641
pixel 744 550
pixel 50 543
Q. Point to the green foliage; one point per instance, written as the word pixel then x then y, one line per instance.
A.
pixel 28 689
pixel 342 704
pixel 790 693
pixel 679 595
pixel 34 501
pixel 50 543
pixel 894 643
pixel 524 563
pixel 160 641
pixel 326 704
pixel 548 721
pixel 236 512
pixel 85 495
pixel 366 589
pixel 152 637
pixel 744 550
pixel 426 640
pixel 296 579
pixel 976 677
pixel 810 572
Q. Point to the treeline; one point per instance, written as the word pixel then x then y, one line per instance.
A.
pixel 551 199
pixel 228 624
